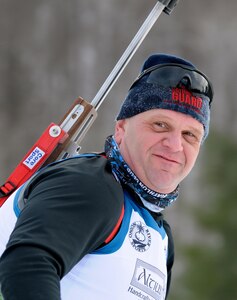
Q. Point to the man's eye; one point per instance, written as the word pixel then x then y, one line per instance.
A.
pixel 190 136
pixel 189 133
pixel 160 124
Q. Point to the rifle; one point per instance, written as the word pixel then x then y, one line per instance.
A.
pixel 62 141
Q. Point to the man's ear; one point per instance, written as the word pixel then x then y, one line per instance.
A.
pixel 119 130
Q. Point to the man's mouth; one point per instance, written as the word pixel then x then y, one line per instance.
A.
pixel 168 159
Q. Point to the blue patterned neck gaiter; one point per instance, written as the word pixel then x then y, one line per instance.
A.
pixel 151 199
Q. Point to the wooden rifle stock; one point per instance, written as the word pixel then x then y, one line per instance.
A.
pixel 76 122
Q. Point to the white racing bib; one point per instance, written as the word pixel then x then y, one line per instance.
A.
pixel 131 267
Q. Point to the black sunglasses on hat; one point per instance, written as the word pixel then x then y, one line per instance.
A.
pixel 178 75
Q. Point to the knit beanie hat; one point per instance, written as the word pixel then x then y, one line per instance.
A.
pixel 192 93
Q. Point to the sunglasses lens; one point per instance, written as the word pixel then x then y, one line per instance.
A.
pixel 178 76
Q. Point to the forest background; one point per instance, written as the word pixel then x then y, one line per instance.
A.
pixel 53 51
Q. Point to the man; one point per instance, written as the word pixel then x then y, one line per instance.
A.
pixel 91 227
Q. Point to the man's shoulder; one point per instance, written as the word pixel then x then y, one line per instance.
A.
pixel 92 168
pixel 86 177
pixel 81 165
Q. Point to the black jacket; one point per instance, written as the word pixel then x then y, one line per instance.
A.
pixel 71 208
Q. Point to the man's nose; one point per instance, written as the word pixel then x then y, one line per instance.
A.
pixel 174 141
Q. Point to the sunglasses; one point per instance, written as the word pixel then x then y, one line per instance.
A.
pixel 178 75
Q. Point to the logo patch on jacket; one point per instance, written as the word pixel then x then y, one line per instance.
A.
pixel 147 279
pixel 139 236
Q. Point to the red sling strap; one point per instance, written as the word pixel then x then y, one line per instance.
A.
pixel 116 228
pixel 32 161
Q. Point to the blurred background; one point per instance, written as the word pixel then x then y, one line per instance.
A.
pixel 53 51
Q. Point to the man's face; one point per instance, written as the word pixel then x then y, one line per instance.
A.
pixel 160 146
